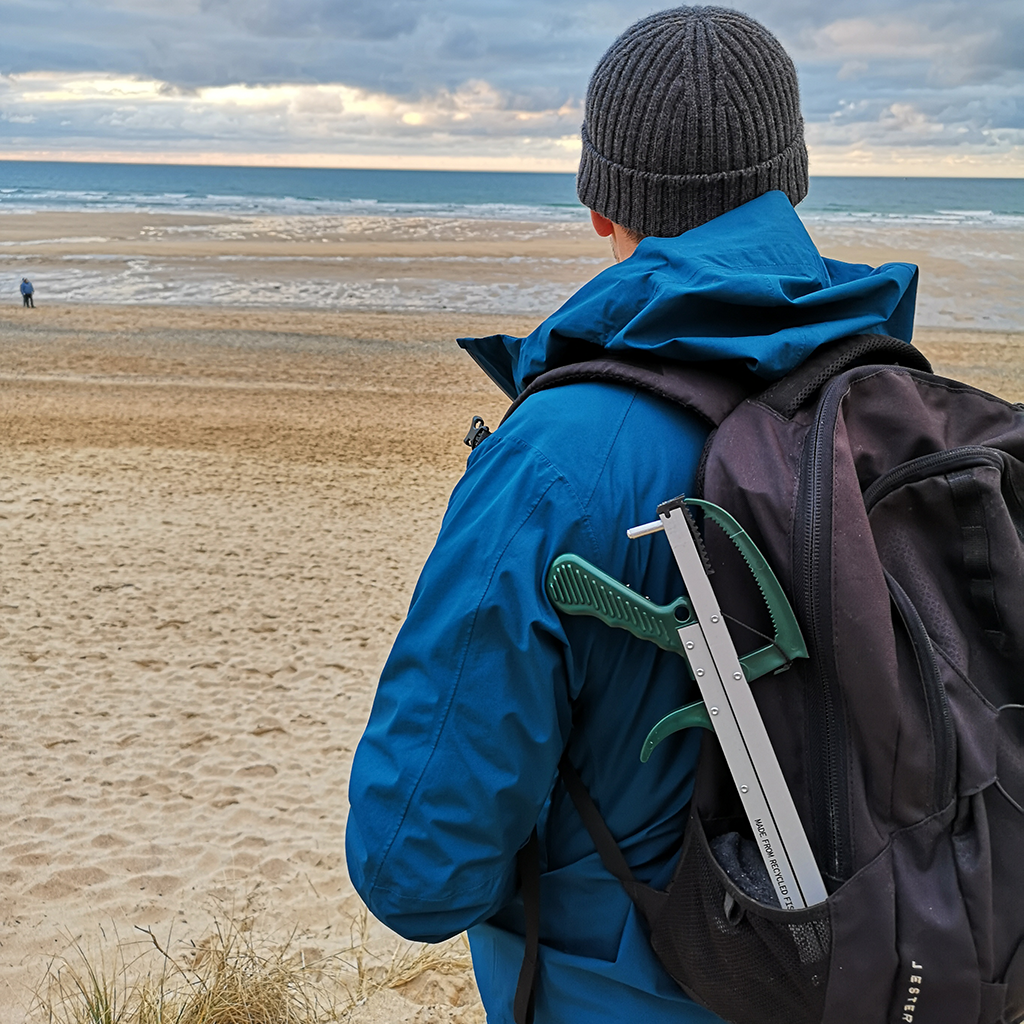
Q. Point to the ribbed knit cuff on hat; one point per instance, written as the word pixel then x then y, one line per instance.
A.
pixel 669 204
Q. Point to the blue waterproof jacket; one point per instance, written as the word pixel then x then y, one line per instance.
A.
pixel 487 683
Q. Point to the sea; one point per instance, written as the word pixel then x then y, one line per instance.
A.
pixel 166 188
pixel 972 223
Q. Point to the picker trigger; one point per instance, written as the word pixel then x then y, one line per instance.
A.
pixel 788 642
pixel 691 716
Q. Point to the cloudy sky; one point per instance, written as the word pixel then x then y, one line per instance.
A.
pixel 888 86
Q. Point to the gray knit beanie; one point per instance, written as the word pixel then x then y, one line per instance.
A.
pixel 691 112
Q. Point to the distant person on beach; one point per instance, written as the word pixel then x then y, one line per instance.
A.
pixel 693 161
pixel 26 293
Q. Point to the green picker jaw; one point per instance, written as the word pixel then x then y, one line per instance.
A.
pixel 579 588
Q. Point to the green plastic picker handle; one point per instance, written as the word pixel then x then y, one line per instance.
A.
pixel 579 588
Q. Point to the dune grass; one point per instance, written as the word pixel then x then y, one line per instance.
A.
pixel 231 976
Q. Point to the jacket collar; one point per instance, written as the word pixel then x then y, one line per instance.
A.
pixel 748 285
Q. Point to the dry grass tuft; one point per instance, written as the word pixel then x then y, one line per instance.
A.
pixel 374 965
pixel 224 979
pixel 231 977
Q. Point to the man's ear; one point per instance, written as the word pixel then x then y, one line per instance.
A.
pixel 602 225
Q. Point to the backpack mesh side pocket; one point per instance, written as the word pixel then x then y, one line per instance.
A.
pixel 743 960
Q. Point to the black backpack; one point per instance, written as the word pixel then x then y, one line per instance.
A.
pixel 890 503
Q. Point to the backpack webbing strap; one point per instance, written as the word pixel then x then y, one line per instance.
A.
pixel 528 860
pixel 969 504
pixel 787 395
pixel 647 900
pixel 710 390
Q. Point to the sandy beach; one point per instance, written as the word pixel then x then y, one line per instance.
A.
pixel 326 262
pixel 211 521
pixel 211 525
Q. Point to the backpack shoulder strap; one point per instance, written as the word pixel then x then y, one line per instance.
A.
pixel 710 390
pixel 649 902
pixel 790 393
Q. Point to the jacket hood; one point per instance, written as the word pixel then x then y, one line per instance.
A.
pixel 748 285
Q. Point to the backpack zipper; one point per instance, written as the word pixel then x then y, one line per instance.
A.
pixel 948 461
pixel 814 564
pixel 935 464
pixel 829 787
pixel 935 698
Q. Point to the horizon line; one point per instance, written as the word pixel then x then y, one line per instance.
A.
pixel 147 160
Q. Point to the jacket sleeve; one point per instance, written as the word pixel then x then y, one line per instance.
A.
pixel 473 707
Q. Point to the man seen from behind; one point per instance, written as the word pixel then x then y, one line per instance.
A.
pixel 693 161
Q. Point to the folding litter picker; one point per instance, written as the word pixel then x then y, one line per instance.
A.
pixel 694 627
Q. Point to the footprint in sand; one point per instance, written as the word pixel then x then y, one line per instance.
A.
pixel 62 884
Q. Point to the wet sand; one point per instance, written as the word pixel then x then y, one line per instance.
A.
pixel 970 275
pixel 326 262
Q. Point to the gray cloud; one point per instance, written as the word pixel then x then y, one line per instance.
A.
pixel 404 44
pixel 907 71
pixel 354 19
